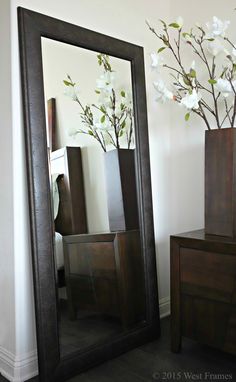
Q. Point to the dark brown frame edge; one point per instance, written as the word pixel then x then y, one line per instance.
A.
pixel 33 26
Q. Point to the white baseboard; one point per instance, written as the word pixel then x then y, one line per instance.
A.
pixel 18 369
pixel 164 306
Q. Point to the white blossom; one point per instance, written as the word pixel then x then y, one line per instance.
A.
pixel 106 81
pixel 193 65
pixel 72 92
pixel 215 47
pixel 180 21
pixel 128 99
pixel 225 87
pixel 234 54
pixel 163 94
pixel 217 27
pixel 105 98
pixel 101 126
pixel 191 101
pixel 157 61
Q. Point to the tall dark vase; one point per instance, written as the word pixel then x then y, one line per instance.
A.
pixel 220 182
pixel 121 190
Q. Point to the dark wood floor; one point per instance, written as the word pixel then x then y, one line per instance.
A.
pixel 154 360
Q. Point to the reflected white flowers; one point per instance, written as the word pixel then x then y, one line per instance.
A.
pixel 163 94
pixel 127 98
pixel 103 125
pixel 217 27
pixel 156 61
pixel 72 92
pixel 191 101
pixel 110 117
pixel 106 81
pixel 225 87
pixel 105 98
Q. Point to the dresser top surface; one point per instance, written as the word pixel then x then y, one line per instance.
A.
pixel 199 235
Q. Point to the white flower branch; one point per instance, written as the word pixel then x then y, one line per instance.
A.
pixel 186 82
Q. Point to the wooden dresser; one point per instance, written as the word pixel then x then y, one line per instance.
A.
pixel 104 274
pixel 203 290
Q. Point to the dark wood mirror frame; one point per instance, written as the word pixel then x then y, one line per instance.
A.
pixel 32 27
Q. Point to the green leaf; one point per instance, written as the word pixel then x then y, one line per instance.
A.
pixel 234 67
pixel 90 132
pixel 185 34
pixel 174 25
pixel 121 132
pixel 212 82
pixel 161 49
pixel 192 73
pixel 187 116
pixel 67 83
pixel 210 39
pixel 123 125
pixel 103 119
pixel 122 106
pixel 122 93
pixel 102 109
pixel 97 91
pixel 186 81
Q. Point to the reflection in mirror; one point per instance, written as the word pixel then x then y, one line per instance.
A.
pixel 91 144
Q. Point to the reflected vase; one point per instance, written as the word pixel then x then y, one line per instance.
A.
pixel 121 190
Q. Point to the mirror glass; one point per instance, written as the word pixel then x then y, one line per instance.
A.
pixel 98 256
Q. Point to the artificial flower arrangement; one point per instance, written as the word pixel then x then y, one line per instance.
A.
pixel 215 57
pixel 112 117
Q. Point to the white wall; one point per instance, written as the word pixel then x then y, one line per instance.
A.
pixel 7 297
pixel 82 65
pixel 176 154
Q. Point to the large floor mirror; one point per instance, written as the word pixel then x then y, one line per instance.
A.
pixel 90 194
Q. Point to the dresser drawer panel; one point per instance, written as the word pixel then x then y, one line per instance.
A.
pixel 205 321
pixel 78 262
pixel 206 274
pixel 84 257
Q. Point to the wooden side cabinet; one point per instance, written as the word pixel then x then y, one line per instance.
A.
pixel 104 274
pixel 203 290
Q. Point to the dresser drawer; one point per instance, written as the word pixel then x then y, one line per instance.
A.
pixel 85 258
pixel 208 275
pixel 204 320
pixel 203 290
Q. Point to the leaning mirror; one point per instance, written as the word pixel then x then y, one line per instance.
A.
pixel 90 194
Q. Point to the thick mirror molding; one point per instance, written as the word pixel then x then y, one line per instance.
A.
pixel 90 197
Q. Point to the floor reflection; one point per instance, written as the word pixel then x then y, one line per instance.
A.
pixel 88 328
